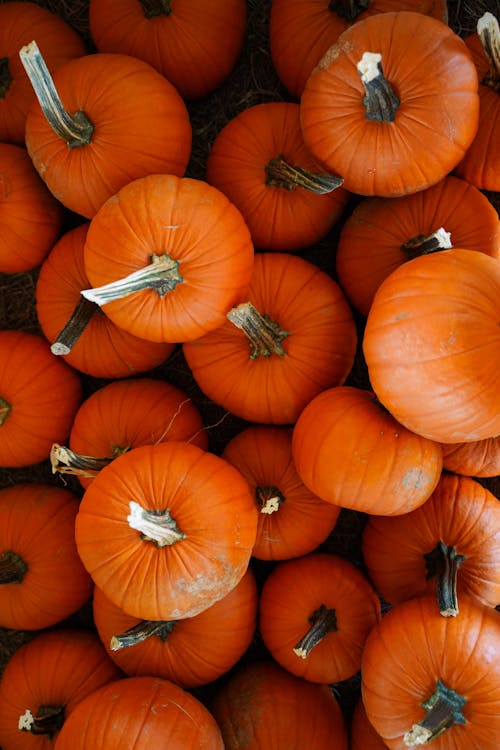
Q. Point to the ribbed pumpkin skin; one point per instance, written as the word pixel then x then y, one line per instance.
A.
pixel 461 513
pixel 43 393
pixel 351 452
pixel 264 706
pixel 194 224
pixel 279 218
pixel 477 459
pixel 37 523
pixel 30 216
pixel 319 349
pixel 435 80
pixel 103 350
pixel 301 32
pixel 58 42
pixel 57 668
pixel 301 521
pixel 140 713
pixel 431 355
pixel 198 650
pixel 371 239
pixel 141 127
pixel 210 503
pixel 362 735
pixel 195 46
pixel 410 649
pixel 294 591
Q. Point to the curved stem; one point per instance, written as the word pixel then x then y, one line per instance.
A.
pixel 75 129
pixel 423 244
pixel 264 334
pixel 284 175
pixel 141 632
pixel 444 562
pixel 65 461
pixel 5 77
pixel 444 708
pixel 268 499
pixel 5 409
pixel 12 567
pixel 153 8
pixel 323 620
pixel 349 10
pixel 488 31
pixel 161 275
pixel 48 720
pixel 156 526
pixel 381 103
pixel 76 325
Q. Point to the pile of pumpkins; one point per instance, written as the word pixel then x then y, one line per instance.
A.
pixel 388 137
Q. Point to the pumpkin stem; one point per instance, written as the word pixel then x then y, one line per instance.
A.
pixel 380 101
pixel 488 31
pixel 12 567
pixel 5 77
pixel 423 244
pixel 264 334
pixel 153 8
pixel 5 409
pixel 443 562
pixel 48 720
pixel 268 499
pixel 280 173
pixel 141 632
pixel 156 526
pixel 444 708
pixel 349 10
pixel 80 318
pixel 323 620
pixel 161 275
pixel 65 461
pixel 75 129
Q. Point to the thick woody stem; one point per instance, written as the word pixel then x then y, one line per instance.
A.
pixel 423 244
pixel 76 129
pixel 284 175
pixel 48 720
pixel 156 526
pixel 444 562
pixel 153 8
pixel 12 567
pixel 268 499
pixel 141 632
pixel 65 461
pixel 264 334
pixel 323 620
pixel 381 103
pixel 488 31
pixel 444 708
pixel 76 325
pixel 349 10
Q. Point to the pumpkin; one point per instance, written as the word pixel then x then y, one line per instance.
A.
pixel 292 337
pixel 177 518
pixel 315 614
pixel 448 546
pixel 393 105
pixel 432 679
pixel 76 328
pixel 362 735
pixel 39 396
pixel 194 45
pixel 292 519
pixel 351 452
pixel 431 355
pixel 140 713
pixel 167 257
pixel 59 43
pixel 122 415
pixel 481 163
pixel 190 652
pixel 42 579
pixel 30 216
pixel 302 31
pixel 480 458
pixel 102 121
pixel 262 705
pixel 260 162
pixel 382 233
pixel 44 680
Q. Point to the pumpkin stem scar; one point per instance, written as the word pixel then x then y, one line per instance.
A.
pixel 268 499
pixel 12 567
pixel 65 461
pixel 75 129
pixel 80 318
pixel 154 8
pixel 142 631
pixel 280 173
pixel 444 708
pixel 443 562
pixel 161 275
pixel 323 620
pixel 381 103
pixel 48 720
pixel 156 526
pixel 5 409
pixel 423 244
pixel 264 334
pixel 5 77
pixel 488 31
pixel 349 10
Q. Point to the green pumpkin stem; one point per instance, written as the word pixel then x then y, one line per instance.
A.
pixel 280 173
pixel 12 567
pixel 65 461
pixel 5 409
pixel 443 562
pixel 80 318
pixel 380 101
pixel 264 334
pixel 444 708
pixel 423 244
pixel 268 499
pixel 488 31
pixel 5 77
pixel 48 720
pixel 154 8
pixel 323 621
pixel 141 632
pixel 349 10
pixel 75 129
pixel 161 275
pixel 155 526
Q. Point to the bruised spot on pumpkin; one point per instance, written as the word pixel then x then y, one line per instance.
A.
pixel 330 55
pixel 413 479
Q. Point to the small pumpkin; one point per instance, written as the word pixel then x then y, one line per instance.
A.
pixel 480 458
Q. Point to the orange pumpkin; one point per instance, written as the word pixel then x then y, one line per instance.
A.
pixel 479 458
pixel 363 736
